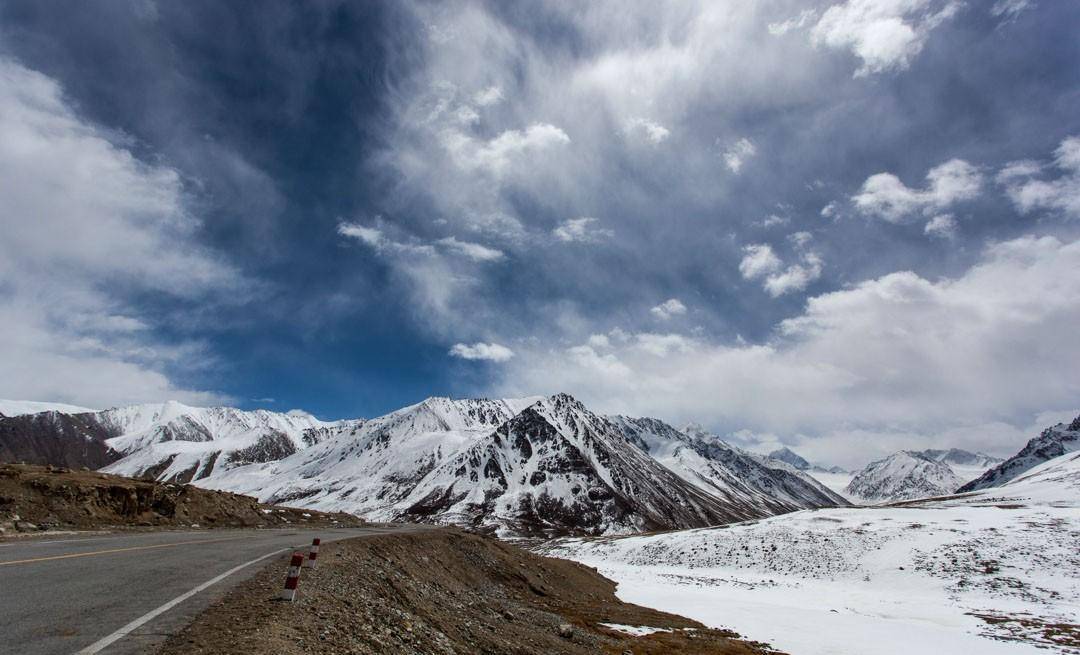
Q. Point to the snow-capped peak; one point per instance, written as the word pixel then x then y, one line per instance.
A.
pixel 786 454
pixel 903 475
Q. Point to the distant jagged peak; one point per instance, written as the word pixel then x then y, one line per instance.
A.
pixel 961 457
pixel 788 455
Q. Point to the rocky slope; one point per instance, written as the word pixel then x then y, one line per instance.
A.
pixel 48 497
pixel 51 437
pixel 440 592
pixel 903 475
pixel 557 468
pixel 747 482
pixel 1054 442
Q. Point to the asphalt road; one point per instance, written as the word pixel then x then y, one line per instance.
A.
pixel 62 595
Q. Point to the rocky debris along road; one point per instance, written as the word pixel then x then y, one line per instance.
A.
pixel 440 591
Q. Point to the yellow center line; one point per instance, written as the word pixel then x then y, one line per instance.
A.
pixel 116 550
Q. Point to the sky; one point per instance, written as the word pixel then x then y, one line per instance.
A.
pixel 847 227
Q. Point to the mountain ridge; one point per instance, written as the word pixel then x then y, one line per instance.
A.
pixel 1051 443
pixel 546 465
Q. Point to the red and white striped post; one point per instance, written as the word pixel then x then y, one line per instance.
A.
pixel 311 561
pixel 293 578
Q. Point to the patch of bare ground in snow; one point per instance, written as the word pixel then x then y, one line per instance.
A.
pixel 440 591
pixel 1027 628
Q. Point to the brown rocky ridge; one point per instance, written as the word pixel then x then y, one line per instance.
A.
pixel 34 498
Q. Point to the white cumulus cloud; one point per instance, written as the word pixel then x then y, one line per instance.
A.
pixel 491 352
pixel 497 155
pixel 942 226
pixel 795 277
pixel 885 196
pixel 761 262
pixel 736 154
pixel 651 131
pixel 580 230
pixel 758 261
pixel 488 96
pixel 884 34
pixel 668 308
pixel 798 22
pixel 1029 192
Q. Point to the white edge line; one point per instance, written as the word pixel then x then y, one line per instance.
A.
pixel 134 625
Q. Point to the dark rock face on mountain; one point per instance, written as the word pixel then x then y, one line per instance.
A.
pixel 557 468
pixel 791 457
pixel 744 481
pixel 71 440
pixel 1053 442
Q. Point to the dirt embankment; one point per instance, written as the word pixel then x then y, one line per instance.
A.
pixel 441 591
pixel 34 498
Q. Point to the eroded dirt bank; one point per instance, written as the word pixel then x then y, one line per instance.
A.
pixel 439 591
pixel 36 498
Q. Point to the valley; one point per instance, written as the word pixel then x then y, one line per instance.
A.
pixel 679 519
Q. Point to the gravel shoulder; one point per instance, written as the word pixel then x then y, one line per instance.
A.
pixel 440 591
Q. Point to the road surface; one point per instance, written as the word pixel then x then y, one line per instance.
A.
pixel 77 594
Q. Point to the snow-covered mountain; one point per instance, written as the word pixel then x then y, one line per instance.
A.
pixel 1054 442
pixel 742 479
pixel 165 441
pixel 23 407
pixel 955 457
pixel 171 441
pixel 557 468
pixel 791 457
pixel 369 467
pixel 788 455
pixel 965 464
pixel 519 466
pixel 901 476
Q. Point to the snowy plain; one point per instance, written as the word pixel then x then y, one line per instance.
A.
pixel 996 571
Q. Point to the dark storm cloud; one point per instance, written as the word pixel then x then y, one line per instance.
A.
pixel 402 185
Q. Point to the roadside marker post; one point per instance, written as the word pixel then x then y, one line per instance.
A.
pixel 311 561
pixel 293 578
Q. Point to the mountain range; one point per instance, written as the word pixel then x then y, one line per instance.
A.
pixel 529 466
